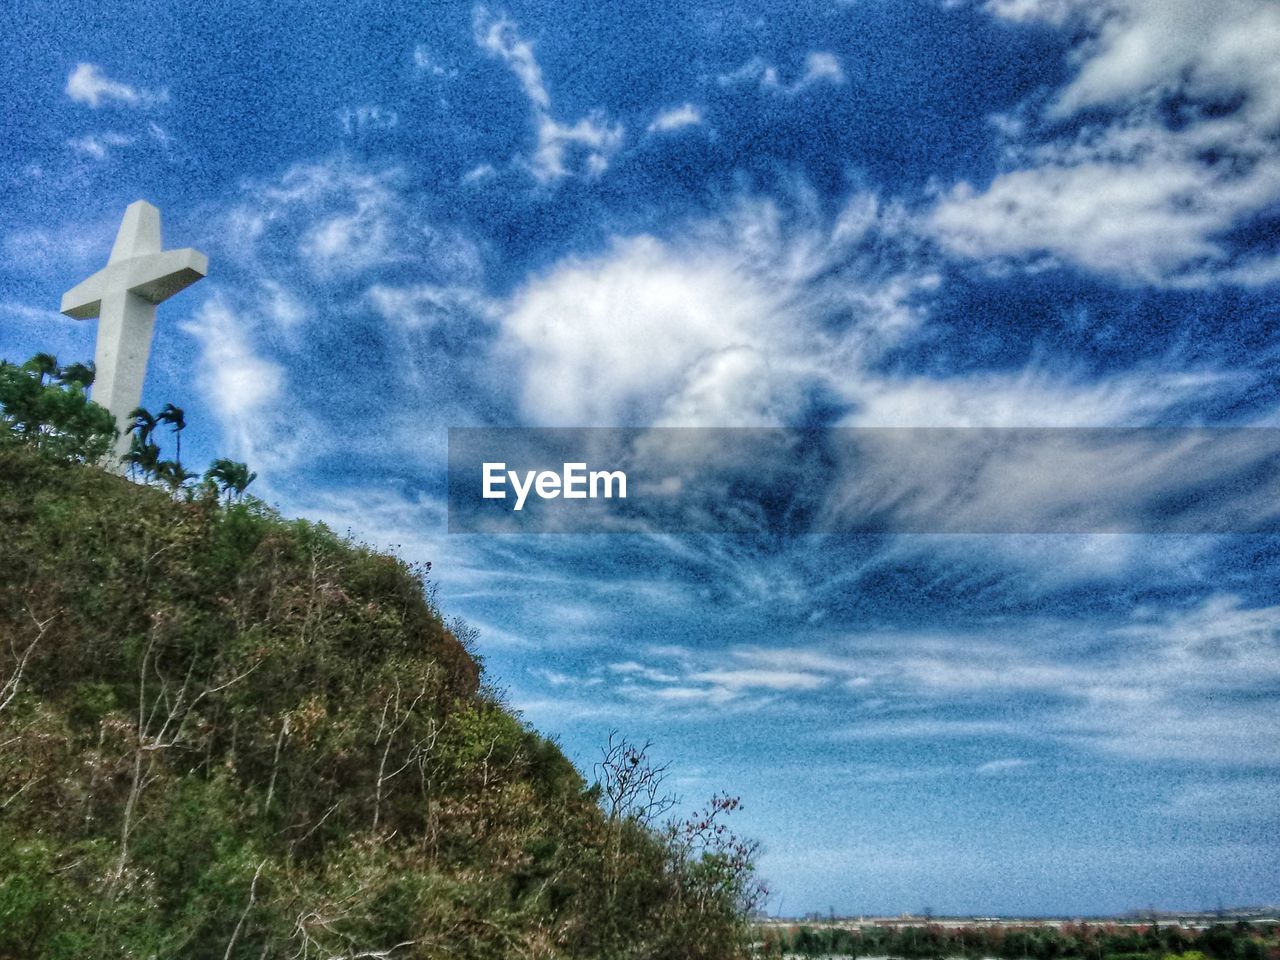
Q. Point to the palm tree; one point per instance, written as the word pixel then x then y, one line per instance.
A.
pixel 143 456
pixel 171 473
pixel 77 373
pixel 43 364
pixel 144 423
pixel 230 477
pixel 175 417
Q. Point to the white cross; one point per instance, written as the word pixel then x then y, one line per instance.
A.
pixel 123 295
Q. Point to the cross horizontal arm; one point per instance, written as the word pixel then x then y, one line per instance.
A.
pixel 154 277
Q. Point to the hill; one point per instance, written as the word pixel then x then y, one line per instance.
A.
pixel 225 734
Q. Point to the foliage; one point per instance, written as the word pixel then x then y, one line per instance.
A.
pixel 225 734
pixel 1011 941
pixel 46 406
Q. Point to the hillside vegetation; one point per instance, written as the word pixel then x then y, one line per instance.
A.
pixel 228 735
pixel 1012 940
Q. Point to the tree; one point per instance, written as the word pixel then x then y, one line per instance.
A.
pixel 143 457
pixel 79 374
pixel 230 476
pixel 43 365
pixel 55 416
pixel 176 418
pixel 630 783
pixel 172 474
pixel 143 424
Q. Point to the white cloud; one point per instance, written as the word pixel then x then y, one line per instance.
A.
pixel 558 144
pixel 556 679
pixel 159 134
pixel 756 679
pixel 724 326
pixel 89 85
pixel 79 246
pixel 1224 801
pixel 338 218
pixel 1022 11
pixel 426 62
pixel 239 381
pixel 1196 684
pixel 431 306
pixel 819 67
pixel 99 146
pixel 643 315
pixel 479 173
pixel 240 384
pixel 282 306
pixel 30 314
pixel 1133 194
pixel 583 147
pixel 1029 398
pixel 681 336
pixel 498 36
pixel 362 119
pixel 685 115
pixel 631 668
pixel 994 767
pixel 1142 47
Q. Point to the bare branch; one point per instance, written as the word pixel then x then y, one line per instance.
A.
pixel 9 689
pixel 253 892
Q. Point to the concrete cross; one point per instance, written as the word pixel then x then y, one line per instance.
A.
pixel 123 295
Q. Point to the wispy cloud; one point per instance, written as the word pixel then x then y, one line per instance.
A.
pixel 99 146
pixel 820 67
pixel 239 382
pixel 1006 765
pixel 583 147
pixel 426 62
pixel 87 84
pixel 367 117
pixel 1191 686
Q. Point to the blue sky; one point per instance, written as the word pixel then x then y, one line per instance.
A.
pixel 950 213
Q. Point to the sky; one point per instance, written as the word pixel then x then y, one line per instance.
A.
pixel 858 213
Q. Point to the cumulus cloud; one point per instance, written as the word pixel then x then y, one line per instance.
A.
pixel 583 147
pixel 642 312
pixel 727 324
pixel 738 319
pixel 1175 111
pixel 87 84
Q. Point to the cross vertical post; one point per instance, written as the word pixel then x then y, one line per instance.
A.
pixel 123 296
